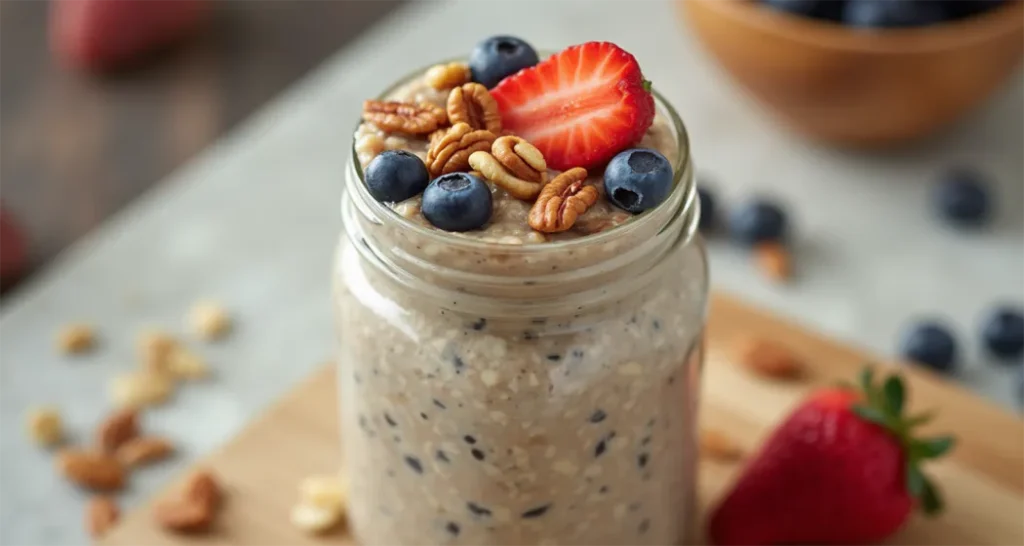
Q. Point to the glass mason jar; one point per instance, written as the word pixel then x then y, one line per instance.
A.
pixel 521 394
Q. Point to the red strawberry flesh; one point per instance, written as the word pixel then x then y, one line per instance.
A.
pixel 579 107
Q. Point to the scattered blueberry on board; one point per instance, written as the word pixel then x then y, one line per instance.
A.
pixel 931 344
pixel 499 56
pixel 638 179
pixel 756 221
pixel 884 13
pixel 1002 333
pixel 707 209
pixel 457 202
pixel 396 175
pixel 962 197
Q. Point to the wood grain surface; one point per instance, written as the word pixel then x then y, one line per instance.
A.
pixel 74 149
pixel 983 480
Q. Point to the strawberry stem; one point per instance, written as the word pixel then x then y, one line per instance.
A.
pixel 883 405
pixel 646 84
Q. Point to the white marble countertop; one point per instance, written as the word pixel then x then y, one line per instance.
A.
pixel 252 223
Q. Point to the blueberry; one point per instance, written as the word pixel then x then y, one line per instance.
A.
pixel 817 9
pixel 757 221
pixel 931 344
pixel 395 176
pixel 1002 332
pixel 962 197
pixel 457 202
pixel 499 56
pixel 893 13
pixel 638 179
pixel 707 209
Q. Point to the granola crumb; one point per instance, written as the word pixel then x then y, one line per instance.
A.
pixel 45 426
pixel 140 388
pixel 209 320
pixel 76 338
pixel 769 358
pixel 774 261
pixel 155 348
pixel 322 503
pixel 718 446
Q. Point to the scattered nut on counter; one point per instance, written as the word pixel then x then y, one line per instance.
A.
pixel 155 348
pixel 773 259
pixel 768 358
pixel 144 450
pixel 101 513
pixel 140 388
pixel 76 339
pixel 118 428
pixel 209 320
pixel 186 365
pixel 193 508
pixel 322 503
pixel 45 426
pixel 91 469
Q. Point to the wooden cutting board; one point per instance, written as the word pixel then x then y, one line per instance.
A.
pixel 983 480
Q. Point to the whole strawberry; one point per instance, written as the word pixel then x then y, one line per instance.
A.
pixel 843 468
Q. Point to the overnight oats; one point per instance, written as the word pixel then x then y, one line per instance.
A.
pixel 520 301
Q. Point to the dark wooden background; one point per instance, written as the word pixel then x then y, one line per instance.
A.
pixel 76 148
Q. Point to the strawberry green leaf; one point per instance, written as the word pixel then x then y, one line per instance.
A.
pixel 931 448
pixel 647 85
pixel 931 502
pixel 915 480
pixel 893 390
pixel 871 414
pixel 867 380
pixel 918 419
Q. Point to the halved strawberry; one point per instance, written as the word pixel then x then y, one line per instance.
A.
pixel 579 107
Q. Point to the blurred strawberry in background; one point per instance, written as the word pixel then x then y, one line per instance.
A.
pixel 105 35
pixel 13 251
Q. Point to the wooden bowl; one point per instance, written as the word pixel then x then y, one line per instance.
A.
pixel 855 86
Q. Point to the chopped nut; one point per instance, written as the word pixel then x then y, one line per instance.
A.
pixel 155 349
pixel 774 261
pixel 315 519
pixel 117 429
pixel 393 116
pixel 45 426
pixel 451 152
pixel 447 76
pixel 561 201
pixel 717 445
pixel 140 388
pixel 326 491
pixel 209 320
pixel 522 159
pixel 101 513
pixel 144 450
pixel 76 338
pixel 193 508
pixel 92 470
pixel 768 358
pixel 184 364
pixel 473 104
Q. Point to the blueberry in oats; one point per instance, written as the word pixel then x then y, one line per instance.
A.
pixel 500 56
pixel 457 202
pixel 637 180
pixel 396 175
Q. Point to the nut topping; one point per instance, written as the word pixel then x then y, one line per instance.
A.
pixel 402 117
pixel 561 201
pixel 473 104
pixel 521 158
pixel 451 152
pixel 447 76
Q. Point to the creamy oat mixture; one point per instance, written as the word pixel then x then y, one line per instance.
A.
pixel 517 393
pixel 508 224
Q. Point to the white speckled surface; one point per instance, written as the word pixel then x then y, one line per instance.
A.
pixel 253 221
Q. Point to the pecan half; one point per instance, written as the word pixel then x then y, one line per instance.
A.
pixel 403 117
pixel 561 201
pixel 473 104
pixel 450 153
pixel 521 158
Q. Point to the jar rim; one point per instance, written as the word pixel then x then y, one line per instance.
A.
pixel 682 185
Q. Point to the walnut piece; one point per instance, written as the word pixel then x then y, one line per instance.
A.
pixel 447 76
pixel 403 117
pixel 561 201
pixel 473 104
pixel 451 152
